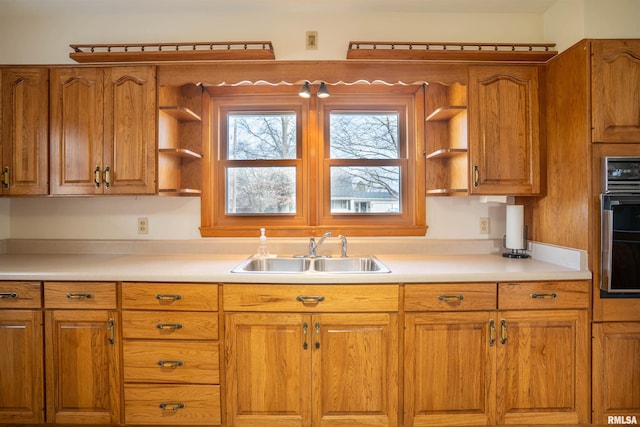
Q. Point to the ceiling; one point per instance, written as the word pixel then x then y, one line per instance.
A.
pixel 13 7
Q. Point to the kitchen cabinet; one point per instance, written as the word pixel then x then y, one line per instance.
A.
pixel 616 370
pixel 504 133
pixel 82 353
pixel 24 131
pixel 171 354
pixel 615 90
pixel 21 364
pixel 103 130
pixel 530 356
pixel 311 355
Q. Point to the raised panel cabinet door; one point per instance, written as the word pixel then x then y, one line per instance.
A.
pixel 130 130
pixel 25 131
pixel 82 367
pixel 76 133
pixel 616 370
pixel 543 367
pixel 268 369
pixel 615 90
pixel 504 130
pixel 21 367
pixel 449 369
pixel 355 369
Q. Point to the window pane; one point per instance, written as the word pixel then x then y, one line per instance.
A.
pixel 364 135
pixel 261 190
pixel 261 136
pixel 365 189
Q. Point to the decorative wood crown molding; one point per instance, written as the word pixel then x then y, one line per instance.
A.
pixel 182 51
pixel 448 51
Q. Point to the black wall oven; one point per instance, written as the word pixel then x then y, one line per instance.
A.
pixel 620 240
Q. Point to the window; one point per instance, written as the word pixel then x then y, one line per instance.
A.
pixel 351 163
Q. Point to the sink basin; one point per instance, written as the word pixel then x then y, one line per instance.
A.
pixel 367 264
pixel 350 265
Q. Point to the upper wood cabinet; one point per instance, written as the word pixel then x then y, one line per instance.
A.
pixel 615 90
pixel 24 131
pixel 504 135
pixel 103 130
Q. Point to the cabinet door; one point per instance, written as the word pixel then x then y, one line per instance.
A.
pixel 616 370
pixel 130 130
pixel 25 131
pixel 449 365
pixel 83 367
pixel 268 370
pixel 21 367
pixel 615 90
pixel 76 130
pixel 355 369
pixel 504 135
pixel 542 367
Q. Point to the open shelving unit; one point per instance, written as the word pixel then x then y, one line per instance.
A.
pixel 446 140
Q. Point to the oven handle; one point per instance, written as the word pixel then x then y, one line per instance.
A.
pixel 606 242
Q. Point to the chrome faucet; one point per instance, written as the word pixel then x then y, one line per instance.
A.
pixel 313 246
pixel 343 245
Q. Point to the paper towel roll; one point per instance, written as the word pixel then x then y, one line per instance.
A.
pixel 515 224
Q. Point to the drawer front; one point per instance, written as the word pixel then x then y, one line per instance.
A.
pixel 170 325
pixel 311 298
pixel 541 295
pixel 81 295
pixel 172 404
pixel 170 296
pixel 171 362
pixel 20 295
pixel 451 297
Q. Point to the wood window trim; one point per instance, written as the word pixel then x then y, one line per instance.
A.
pixel 312 218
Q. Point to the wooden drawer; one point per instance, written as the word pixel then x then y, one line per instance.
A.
pixel 451 297
pixel 170 325
pixel 543 295
pixel 171 362
pixel 81 295
pixel 310 298
pixel 172 404
pixel 170 296
pixel 20 295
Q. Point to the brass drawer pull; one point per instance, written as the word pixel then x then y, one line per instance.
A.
pixel 170 363
pixel 79 295
pixel 107 177
pixel 168 297
pixel 492 333
pixel 310 299
pixel 543 296
pixel 169 326
pixel 305 332
pixel 96 177
pixel 503 331
pixel 111 327
pixel 5 177
pixel 171 406
pixel 8 295
pixel 450 298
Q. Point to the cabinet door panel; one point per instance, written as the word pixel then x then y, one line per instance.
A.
pixel 355 369
pixel 542 366
pixel 268 370
pixel 83 374
pixel 25 130
pixel 21 367
pixel 76 129
pixel 449 369
pixel 616 90
pixel 130 129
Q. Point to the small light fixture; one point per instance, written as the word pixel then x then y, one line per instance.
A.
pixel 323 91
pixel 305 90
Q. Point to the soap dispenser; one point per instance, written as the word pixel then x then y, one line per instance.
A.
pixel 263 251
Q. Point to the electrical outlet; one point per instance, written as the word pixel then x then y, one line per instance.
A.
pixel 484 225
pixel 312 40
pixel 143 226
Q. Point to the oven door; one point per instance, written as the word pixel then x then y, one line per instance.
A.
pixel 620 257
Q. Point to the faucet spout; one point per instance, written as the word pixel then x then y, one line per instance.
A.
pixel 313 246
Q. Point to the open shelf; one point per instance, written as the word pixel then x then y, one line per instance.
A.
pixel 180 113
pixel 447 192
pixel 445 113
pixel 180 152
pixel 445 153
pixel 179 192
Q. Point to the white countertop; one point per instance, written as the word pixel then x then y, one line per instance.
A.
pixel 216 268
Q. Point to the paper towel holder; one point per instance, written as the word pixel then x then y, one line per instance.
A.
pixel 517 252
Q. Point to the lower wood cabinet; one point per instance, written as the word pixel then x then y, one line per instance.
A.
pixel 307 367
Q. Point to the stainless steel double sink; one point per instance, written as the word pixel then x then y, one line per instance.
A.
pixel 278 265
